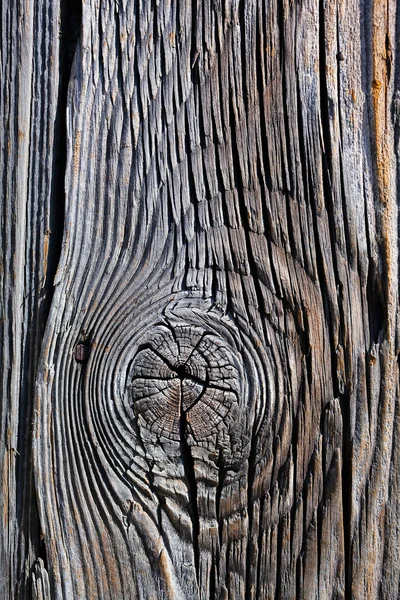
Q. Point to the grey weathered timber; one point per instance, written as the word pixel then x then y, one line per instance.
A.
pixel 29 201
pixel 200 376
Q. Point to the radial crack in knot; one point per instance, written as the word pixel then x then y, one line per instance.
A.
pixel 184 370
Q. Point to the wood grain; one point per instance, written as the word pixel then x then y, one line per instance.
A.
pixel 216 401
pixel 30 172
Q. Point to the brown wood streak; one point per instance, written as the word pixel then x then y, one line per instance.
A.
pixel 228 223
pixel 374 574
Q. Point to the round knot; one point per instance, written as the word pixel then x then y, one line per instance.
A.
pixel 184 378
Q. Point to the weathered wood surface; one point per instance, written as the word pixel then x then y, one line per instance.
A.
pixel 30 219
pixel 214 412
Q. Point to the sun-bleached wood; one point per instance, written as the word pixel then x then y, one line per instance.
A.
pixel 30 197
pixel 214 412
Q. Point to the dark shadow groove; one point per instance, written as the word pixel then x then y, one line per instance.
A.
pixel 70 27
pixel 188 466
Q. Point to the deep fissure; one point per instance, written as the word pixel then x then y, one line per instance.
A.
pixel 188 466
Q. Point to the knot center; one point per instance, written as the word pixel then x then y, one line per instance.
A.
pixel 187 371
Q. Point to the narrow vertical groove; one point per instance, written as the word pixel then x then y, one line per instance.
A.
pixel 188 465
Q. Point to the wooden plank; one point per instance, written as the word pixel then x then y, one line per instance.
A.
pixel 216 398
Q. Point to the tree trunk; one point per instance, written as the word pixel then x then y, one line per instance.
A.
pixel 199 275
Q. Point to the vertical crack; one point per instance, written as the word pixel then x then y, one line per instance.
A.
pixel 42 554
pixel 70 26
pixel 326 108
pixel 188 466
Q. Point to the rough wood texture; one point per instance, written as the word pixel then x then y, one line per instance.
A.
pixel 29 89
pixel 217 395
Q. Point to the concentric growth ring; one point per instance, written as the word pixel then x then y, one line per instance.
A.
pixel 184 377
